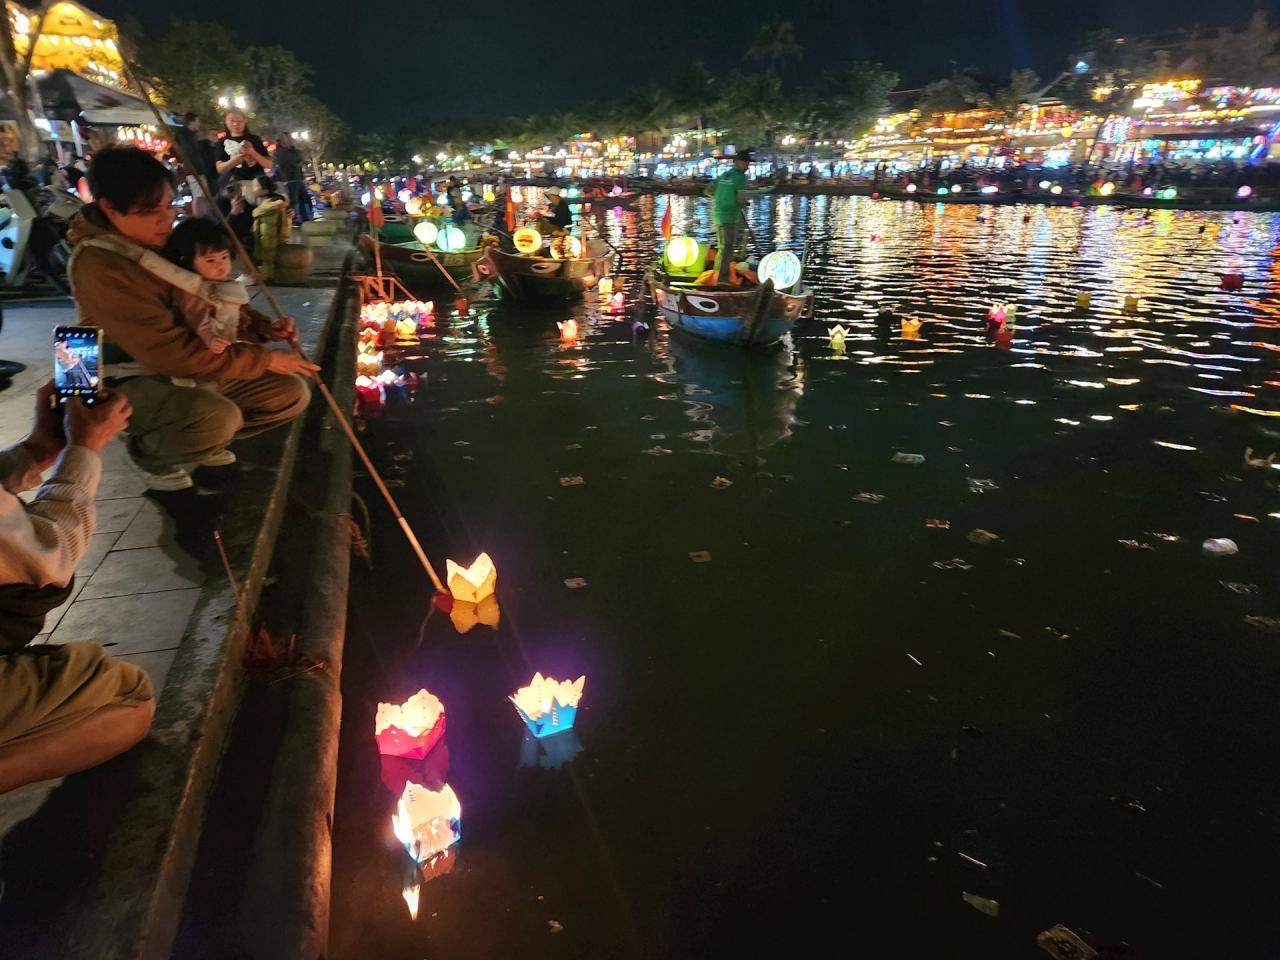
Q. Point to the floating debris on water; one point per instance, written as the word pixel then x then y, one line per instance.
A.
pixel 656 451
pixel 1244 589
pixel 575 583
pixel 982 537
pixel 911 459
pixel 938 524
pixel 1265 624
pixel 869 497
pixel 990 907
pixel 571 481
pixel 720 483
pixel 1219 547
pixel 1061 944
pixel 982 486
pixel 700 556
pixel 956 564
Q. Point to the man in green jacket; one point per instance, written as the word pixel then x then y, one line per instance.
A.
pixel 729 196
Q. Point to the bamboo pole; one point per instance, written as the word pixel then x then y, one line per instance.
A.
pixel 338 415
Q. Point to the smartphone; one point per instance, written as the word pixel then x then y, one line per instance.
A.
pixel 77 362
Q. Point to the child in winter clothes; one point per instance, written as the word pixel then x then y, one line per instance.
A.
pixel 202 247
pixel 272 224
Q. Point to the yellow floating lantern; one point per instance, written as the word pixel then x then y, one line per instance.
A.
pixel 910 328
pixel 1131 304
pixel 426 232
pixel 682 252
pixel 407 329
pixel 527 240
pixel 368 364
pixel 413 206
pixel 474 583
pixel 1084 301
pixel 451 240
pixel 837 336
pixel 605 286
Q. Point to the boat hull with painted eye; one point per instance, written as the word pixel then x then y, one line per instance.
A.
pixel 417 267
pixel 525 278
pixel 752 317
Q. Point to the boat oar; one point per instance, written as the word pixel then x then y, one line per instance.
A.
pixel 338 416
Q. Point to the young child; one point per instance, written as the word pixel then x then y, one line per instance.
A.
pixel 272 224
pixel 202 247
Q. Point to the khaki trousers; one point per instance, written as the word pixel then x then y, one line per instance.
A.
pixel 173 425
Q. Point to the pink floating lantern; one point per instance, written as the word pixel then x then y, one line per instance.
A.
pixel 410 729
pixel 370 396
pixel 617 302
pixel 1232 281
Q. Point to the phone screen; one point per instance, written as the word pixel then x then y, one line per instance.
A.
pixel 77 361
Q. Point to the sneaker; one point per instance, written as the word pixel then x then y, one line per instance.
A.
pixel 175 479
pixel 222 458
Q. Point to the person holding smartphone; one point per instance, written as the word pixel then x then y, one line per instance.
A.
pixel 63 707
pixel 148 343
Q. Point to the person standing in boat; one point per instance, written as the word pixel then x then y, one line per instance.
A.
pixel 558 214
pixel 729 199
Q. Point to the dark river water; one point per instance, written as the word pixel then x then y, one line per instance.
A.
pixel 817 714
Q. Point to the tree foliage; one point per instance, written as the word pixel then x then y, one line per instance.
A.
pixel 193 63
pixel 1247 57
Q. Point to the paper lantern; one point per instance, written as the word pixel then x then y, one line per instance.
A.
pixel 413 206
pixel 1131 304
pixel 1232 281
pixel 782 267
pixel 682 252
pixel 527 240
pixel 427 822
pixel 407 329
pixel 1045 184
pixel 837 337
pixel 605 286
pixel 990 188
pixel 996 315
pixel 566 247
pixel 548 706
pixel 568 329
pixel 516 195
pixel 442 201
pixel 1055 189
pixel 1244 193
pixel 957 188
pixel 942 191
pixel 1084 301
pixel 451 240
pixel 369 396
pixel 911 188
pixel 426 232
pixel 368 364
pixel 616 191
pixel 472 583
pixel 410 729
pixel 1107 189
pixel 616 302
pixel 1167 193
pixel 910 328
pixel 489 196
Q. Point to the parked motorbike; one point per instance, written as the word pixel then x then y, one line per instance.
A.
pixel 33 229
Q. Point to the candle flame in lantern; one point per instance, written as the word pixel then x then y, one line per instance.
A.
pixel 410 894
pixel 472 583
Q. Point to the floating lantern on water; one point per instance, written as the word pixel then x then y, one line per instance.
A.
pixel 472 583
pixel 413 207
pixel 605 286
pixel 875 238
pixel 369 396
pixel 427 822
pixel 425 232
pixel 367 341
pixel 617 302
pixel 407 328
pixel 368 364
pixel 682 252
pixel 837 337
pixel 996 315
pixel 410 729
pixel 782 267
pixel 568 329
pixel 1232 281
pixel 451 240
pixel 548 706
pixel 910 328
pixel 527 240
pixel 1131 303
pixel 1084 301
pixel 1244 192
pixel 911 188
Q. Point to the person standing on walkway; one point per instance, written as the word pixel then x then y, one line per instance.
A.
pixel 289 171
pixel 147 342
pixel 241 154
pixel 729 196
pixel 63 707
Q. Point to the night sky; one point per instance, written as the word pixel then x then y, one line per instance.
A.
pixel 409 61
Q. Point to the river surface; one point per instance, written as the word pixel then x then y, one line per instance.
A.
pixel 817 714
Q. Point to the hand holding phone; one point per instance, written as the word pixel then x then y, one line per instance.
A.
pixel 93 427
pixel 77 362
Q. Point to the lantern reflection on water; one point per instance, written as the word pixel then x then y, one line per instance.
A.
pixel 474 583
pixel 427 822
pixel 464 615
pixel 410 729
pixel 605 286
pixel 548 706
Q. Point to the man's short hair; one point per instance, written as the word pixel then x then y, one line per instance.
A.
pixel 189 118
pixel 128 178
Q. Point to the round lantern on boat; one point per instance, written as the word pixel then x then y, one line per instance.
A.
pixel 451 239
pixel 682 252
pixel 1244 193
pixel 426 233
pixel 782 267
pixel 567 247
pixel 413 206
pixel 489 196
pixel 527 240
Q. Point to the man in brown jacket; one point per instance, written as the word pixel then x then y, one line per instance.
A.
pixel 147 343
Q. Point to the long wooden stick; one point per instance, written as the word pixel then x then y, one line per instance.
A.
pixel 329 399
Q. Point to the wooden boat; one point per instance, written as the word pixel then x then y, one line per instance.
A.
pixel 607 201
pixel 970 196
pixel 412 264
pixel 540 278
pixel 753 317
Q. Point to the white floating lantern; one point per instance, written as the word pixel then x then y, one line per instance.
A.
pixel 409 729
pixel 548 706
pixel 427 822
pixel 472 584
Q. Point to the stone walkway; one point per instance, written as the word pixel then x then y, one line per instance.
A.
pixel 136 586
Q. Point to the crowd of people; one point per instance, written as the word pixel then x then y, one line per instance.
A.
pixel 187 368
